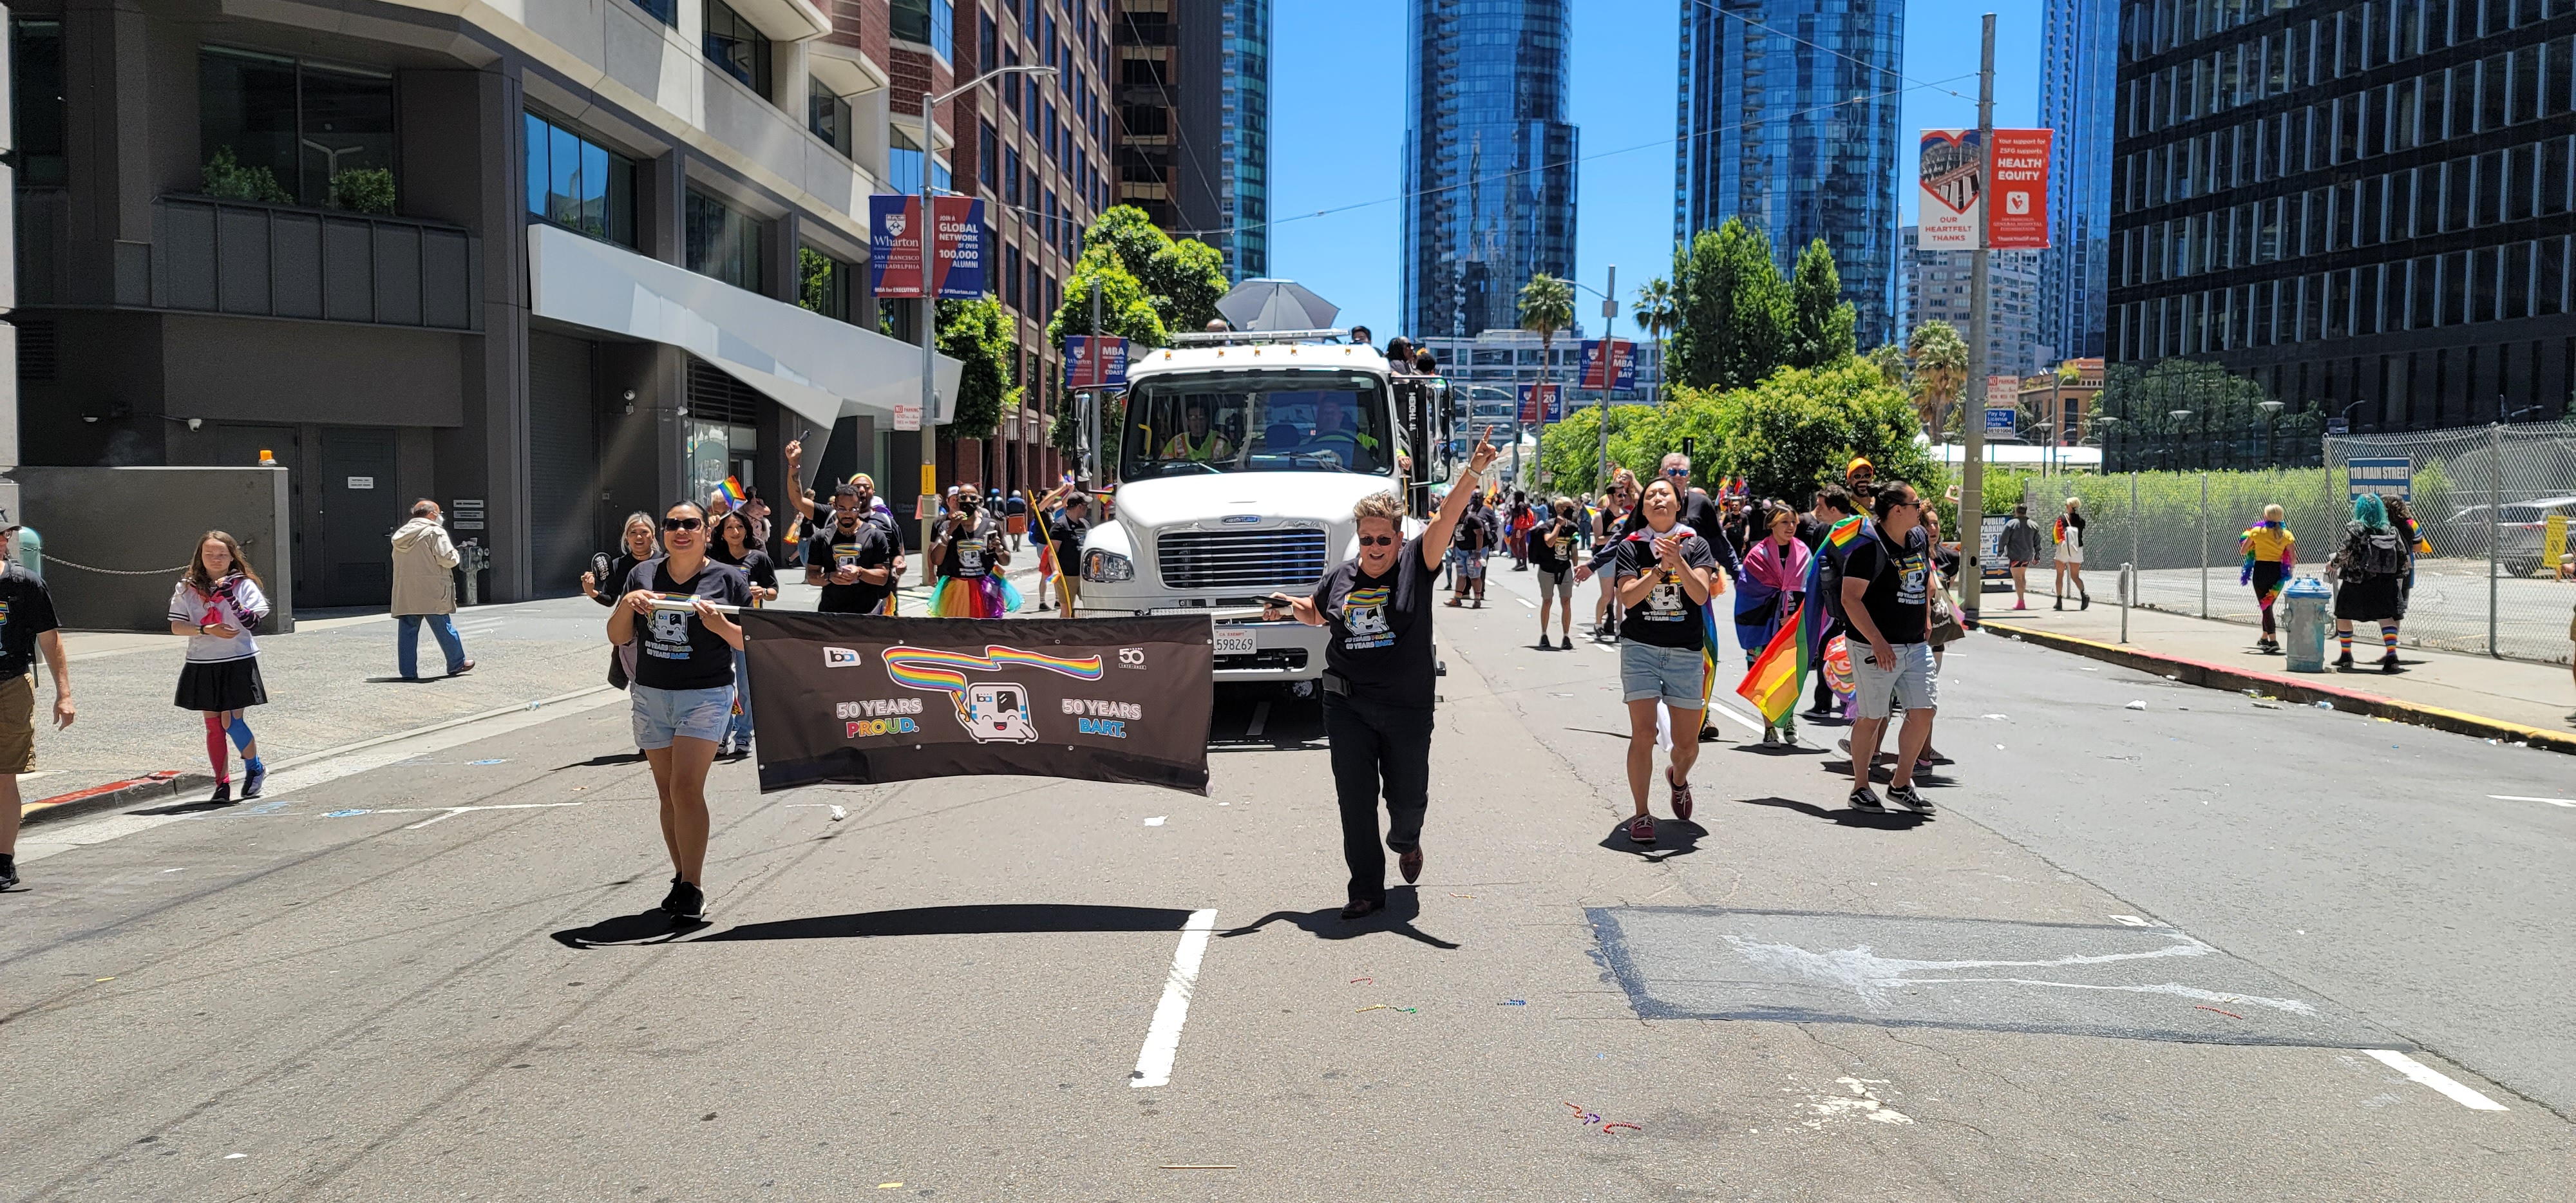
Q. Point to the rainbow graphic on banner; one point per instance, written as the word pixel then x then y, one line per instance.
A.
pixel 935 671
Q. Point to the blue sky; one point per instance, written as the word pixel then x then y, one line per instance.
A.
pixel 1337 128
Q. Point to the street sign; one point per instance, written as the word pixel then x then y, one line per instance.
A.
pixel 1614 359
pixel 1095 361
pixel 2391 474
pixel 907 417
pixel 2000 419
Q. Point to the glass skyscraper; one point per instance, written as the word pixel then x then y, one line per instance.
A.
pixel 2079 62
pixel 1488 160
pixel 1789 120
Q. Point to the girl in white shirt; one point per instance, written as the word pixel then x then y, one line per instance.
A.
pixel 219 606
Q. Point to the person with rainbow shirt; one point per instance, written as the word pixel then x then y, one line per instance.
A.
pixel 2271 552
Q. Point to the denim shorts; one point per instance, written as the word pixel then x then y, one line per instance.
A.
pixel 1909 684
pixel 662 715
pixel 1674 674
pixel 1471 565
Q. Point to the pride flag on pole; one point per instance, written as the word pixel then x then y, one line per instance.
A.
pixel 1779 674
pixel 733 491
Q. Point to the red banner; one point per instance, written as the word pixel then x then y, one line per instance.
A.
pixel 2018 220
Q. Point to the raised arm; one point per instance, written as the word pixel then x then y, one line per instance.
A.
pixel 795 453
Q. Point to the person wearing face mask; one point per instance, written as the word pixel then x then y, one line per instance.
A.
pixel 971 556
pixel 1379 676
pixel 684 684
pixel 855 560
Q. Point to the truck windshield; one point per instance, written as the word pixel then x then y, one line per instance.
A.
pixel 1289 421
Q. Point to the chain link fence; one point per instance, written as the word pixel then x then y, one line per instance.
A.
pixel 2483 497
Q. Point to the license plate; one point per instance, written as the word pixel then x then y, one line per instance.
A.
pixel 1233 641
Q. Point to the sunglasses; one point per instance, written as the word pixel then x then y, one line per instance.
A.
pixel 682 523
pixel 1377 540
pixel 1676 471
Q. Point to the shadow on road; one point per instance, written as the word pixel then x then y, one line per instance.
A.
pixel 190 808
pixel 603 760
pixel 1403 906
pixel 650 927
pixel 961 921
pixel 1894 820
pixel 1673 837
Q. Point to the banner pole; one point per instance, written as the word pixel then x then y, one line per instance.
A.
pixel 1972 466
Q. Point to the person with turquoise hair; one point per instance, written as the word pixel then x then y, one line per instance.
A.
pixel 2369 571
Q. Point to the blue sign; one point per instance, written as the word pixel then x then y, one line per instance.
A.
pixel 2393 474
pixel 1625 375
pixel 2000 420
pixel 1085 369
pixel 1542 403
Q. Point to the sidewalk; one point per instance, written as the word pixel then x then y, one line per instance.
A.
pixel 2471 694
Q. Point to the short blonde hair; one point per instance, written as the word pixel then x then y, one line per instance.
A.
pixel 2272 513
pixel 1388 505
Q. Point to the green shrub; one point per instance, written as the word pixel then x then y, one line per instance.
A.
pixel 364 190
pixel 227 179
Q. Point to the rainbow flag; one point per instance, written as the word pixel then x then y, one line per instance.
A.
pixel 732 489
pixel 1779 674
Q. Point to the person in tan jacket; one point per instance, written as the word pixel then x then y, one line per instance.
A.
pixel 425 588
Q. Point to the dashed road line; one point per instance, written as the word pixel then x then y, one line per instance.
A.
pixel 2439 1081
pixel 1163 1036
pixel 2566 802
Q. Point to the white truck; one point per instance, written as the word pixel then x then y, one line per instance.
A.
pixel 1239 460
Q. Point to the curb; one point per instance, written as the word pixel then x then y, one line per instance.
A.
pixel 164 784
pixel 2297 689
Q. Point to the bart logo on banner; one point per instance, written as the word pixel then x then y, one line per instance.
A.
pixel 895 229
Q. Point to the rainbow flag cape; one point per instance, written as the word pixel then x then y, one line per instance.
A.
pixel 1779 674
pixel 732 488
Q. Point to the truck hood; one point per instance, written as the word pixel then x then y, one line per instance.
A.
pixel 1321 497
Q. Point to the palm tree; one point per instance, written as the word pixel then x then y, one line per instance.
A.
pixel 1658 312
pixel 1940 366
pixel 1547 306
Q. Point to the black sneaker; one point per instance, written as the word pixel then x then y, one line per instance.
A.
pixel 251 782
pixel 8 872
pixel 686 902
pixel 1866 799
pixel 2087 603
pixel 672 899
pixel 2344 660
pixel 1544 645
pixel 2388 663
pixel 1905 796
pixel 223 794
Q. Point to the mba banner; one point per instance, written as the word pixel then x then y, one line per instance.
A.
pixel 894 246
pixel 860 700
pixel 1541 403
pixel 1615 367
pixel 1095 361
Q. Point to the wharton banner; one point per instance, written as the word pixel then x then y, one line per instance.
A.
pixel 860 700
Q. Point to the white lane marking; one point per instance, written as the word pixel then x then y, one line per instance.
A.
pixel 1731 712
pixel 320 768
pixel 2429 1076
pixel 2518 798
pixel 1156 821
pixel 1163 1036
pixel 2123 920
pixel 1526 603
pixel 838 814
pixel 1260 718
pixel 453 811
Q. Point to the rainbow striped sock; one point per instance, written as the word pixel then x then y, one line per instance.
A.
pixel 2388 639
pixel 2345 637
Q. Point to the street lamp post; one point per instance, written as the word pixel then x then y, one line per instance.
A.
pixel 930 294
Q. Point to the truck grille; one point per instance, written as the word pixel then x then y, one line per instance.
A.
pixel 1240 562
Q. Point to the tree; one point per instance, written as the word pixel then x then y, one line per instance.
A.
pixel 1821 321
pixel 1126 309
pixel 1546 306
pixel 1180 280
pixel 1940 359
pixel 1794 432
pixel 1889 359
pixel 1734 324
pixel 1658 310
pixel 977 334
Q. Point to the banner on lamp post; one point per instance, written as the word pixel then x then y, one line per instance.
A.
pixel 1948 171
pixel 1541 403
pixel 1609 363
pixel 2020 219
pixel 894 247
pixel 1095 361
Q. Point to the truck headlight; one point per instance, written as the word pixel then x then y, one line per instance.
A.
pixel 1107 566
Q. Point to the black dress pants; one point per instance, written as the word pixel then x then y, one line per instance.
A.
pixel 1378 749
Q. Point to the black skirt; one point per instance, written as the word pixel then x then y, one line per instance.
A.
pixel 223 685
pixel 2371 599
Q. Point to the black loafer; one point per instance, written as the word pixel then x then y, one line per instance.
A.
pixel 1411 863
pixel 1360 908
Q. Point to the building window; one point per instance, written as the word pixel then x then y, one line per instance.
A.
pixel 1011 276
pixel 665 11
pixel 828 115
pixel 288 132
pixel 1011 175
pixel 988 156
pixel 36 101
pixel 988 47
pixel 723 242
pixel 823 283
pixel 578 184
pixel 929 22
pixel 736 47
pixel 903 162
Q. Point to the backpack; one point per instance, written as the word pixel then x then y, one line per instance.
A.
pixel 2382 553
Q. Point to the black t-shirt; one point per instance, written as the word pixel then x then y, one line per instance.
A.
pixel 26 611
pixel 755 567
pixel 675 650
pixel 1556 558
pixel 611 586
pixel 1066 533
pixel 866 546
pixel 1668 617
pixel 1379 628
pixel 1899 582
pixel 1470 535
pixel 969 553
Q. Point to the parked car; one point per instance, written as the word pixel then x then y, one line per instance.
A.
pixel 2521 527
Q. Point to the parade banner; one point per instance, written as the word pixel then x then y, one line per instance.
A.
pixel 861 700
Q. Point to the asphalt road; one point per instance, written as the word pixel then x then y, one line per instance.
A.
pixel 2141 955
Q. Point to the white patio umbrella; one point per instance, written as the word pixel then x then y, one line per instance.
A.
pixel 1276 305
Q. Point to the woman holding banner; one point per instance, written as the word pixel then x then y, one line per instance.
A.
pixel 1378 677
pixel 684 682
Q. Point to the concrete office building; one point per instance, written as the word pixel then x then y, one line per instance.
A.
pixel 1933 286
pixel 2363 207
pixel 1194 123
pixel 1488 160
pixel 1789 119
